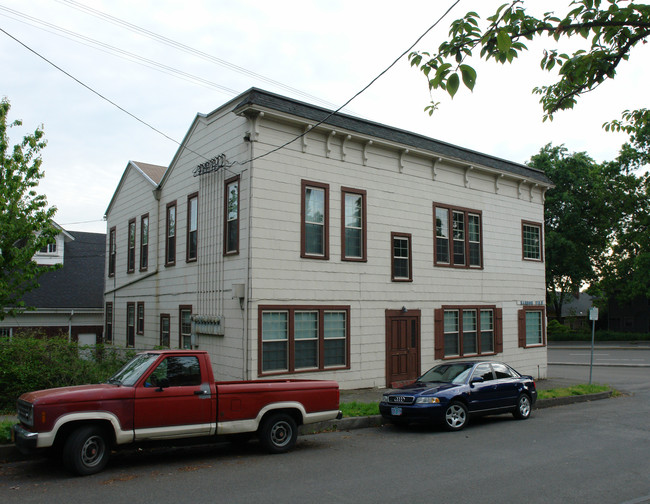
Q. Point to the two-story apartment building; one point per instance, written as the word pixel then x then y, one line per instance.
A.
pixel 345 249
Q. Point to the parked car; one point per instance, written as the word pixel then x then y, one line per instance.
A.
pixel 171 396
pixel 449 393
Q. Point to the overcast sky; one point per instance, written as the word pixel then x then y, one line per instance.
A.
pixel 322 52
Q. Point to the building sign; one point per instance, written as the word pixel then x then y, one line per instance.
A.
pixel 530 303
pixel 211 165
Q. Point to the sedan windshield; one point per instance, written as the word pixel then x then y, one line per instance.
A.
pixel 133 370
pixel 447 373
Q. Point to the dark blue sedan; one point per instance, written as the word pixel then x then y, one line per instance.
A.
pixel 450 392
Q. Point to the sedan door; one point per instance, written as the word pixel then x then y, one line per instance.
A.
pixel 507 385
pixel 482 394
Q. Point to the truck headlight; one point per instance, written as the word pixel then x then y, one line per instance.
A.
pixel 427 400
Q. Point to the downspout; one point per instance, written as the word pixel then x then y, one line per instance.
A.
pixel 247 288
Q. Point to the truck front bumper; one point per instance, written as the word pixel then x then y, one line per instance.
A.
pixel 26 441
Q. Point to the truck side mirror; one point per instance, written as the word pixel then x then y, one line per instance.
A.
pixel 163 383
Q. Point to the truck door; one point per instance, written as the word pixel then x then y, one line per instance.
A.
pixel 173 401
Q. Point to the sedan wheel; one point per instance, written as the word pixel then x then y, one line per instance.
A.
pixel 523 407
pixel 455 416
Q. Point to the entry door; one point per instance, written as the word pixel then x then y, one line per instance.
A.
pixel 402 346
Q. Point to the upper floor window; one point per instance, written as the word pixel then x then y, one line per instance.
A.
pixel 231 214
pixel 531 236
pixel 314 241
pixel 50 248
pixel 467 330
pixel 170 242
pixel 112 251
pixel 532 326
pixel 192 227
pixel 401 257
pixel 353 224
pixel 144 242
pixel 130 262
pixel 458 237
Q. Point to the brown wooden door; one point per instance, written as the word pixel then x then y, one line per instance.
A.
pixel 402 346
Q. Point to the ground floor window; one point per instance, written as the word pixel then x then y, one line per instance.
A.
pixel 303 338
pixel 130 325
pixel 532 326
pixel 165 324
pixel 467 331
pixel 185 316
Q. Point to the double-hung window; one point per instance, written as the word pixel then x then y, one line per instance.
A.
pixel 170 234
pixel 112 251
pixel 531 236
pixel 467 330
pixel 457 237
pixel 108 323
pixel 130 258
pixel 401 264
pixel 165 330
pixel 130 325
pixel 144 242
pixel 298 339
pixel 231 217
pixel 314 220
pixel 192 227
pixel 532 326
pixel 185 321
pixel 140 321
pixel 353 224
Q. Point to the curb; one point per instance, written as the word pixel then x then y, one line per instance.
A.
pixel 9 453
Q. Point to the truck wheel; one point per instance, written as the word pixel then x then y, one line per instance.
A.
pixel 278 433
pixel 86 451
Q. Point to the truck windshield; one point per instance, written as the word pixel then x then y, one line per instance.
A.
pixel 133 370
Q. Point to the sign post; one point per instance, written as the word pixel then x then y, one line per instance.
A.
pixel 593 316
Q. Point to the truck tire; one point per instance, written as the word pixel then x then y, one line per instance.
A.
pixel 278 433
pixel 86 451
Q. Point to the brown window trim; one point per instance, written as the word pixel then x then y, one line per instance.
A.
pixel 144 254
pixel 170 205
pixel 165 316
pixel 439 331
pixel 364 232
pixel 541 240
pixel 139 324
pixel 130 251
pixel 181 309
pixel 394 235
pixel 112 251
pixel 291 309
pixel 521 326
pixel 326 226
pixel 188 258
pixel 466 212
pixel 234 251
pixel 108 322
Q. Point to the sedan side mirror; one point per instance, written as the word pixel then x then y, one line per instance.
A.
pixel 477 379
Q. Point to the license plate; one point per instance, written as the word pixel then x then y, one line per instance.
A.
pixel 396 411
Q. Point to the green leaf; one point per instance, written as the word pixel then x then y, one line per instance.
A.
pixel 504 42
pixel 453 82
pixel 469 76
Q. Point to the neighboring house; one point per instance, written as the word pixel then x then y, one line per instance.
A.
pixel 629 316
pixel 69 300
pixel 347 250
pixel 575 311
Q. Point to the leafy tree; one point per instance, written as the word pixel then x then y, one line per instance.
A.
pixel 25 220
pixel 581 214
pixel 612 31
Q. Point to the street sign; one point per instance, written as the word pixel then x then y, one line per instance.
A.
pixel 593 313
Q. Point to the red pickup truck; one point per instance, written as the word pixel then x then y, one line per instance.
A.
pixel 167 395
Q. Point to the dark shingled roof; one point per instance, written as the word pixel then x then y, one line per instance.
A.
pixel 313 113
pixel 80 282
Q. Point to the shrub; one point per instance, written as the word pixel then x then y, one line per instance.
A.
pixel 31 362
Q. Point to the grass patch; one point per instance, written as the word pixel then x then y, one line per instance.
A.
pixel 575 390
pixel 359 409
pixel 5 431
